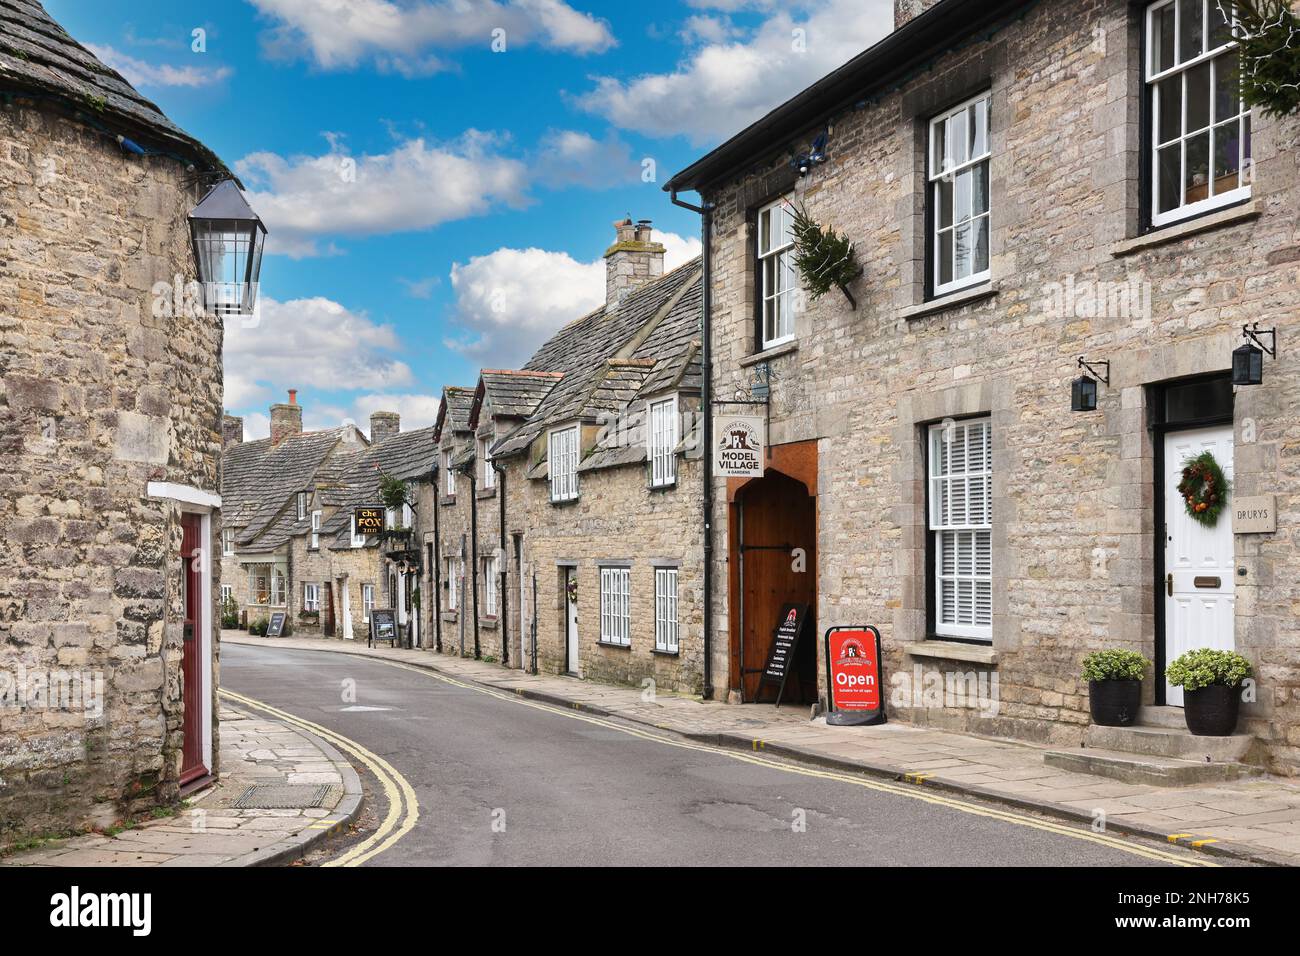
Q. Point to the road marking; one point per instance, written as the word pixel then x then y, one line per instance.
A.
pixel 926 794
pixel 400 794
pixel 361 709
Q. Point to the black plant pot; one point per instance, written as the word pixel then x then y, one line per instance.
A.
pixel 1212 711
pixel 1114 703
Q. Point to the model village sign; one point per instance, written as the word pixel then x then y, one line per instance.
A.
pixel 738 451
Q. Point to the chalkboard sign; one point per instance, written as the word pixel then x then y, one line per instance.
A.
pixel 276 627
pixel 785 641
pixel 383 626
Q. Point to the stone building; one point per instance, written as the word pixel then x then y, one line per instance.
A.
pixel 1023 185
pixel 110 422
pixel 450 551
pixel 290 543
pixel 591 444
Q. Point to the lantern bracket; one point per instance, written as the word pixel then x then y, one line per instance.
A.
pixel 1252 333
pixel 1093 369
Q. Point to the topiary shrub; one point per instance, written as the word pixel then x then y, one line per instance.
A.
pixel 1206 667
pixel 1114 665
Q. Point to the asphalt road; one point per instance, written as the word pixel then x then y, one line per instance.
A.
pixel 502 782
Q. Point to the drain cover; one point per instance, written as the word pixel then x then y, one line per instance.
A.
pixel 283 797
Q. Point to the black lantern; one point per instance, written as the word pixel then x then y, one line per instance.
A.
pixel 1083 393
pixel 228 238
pixel 1248 359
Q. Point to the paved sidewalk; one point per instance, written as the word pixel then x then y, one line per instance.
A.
pixel 212 831
pixel 1255 819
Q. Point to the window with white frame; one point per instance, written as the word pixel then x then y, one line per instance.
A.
pixel 311 597
pixel 776 273
pixel 961 527
pixel 227 593
pixel 302 505
pixel 390 519
pixel 562 462
pixel 449 570
pixel 960 154
pixel 489 479
pixel 666 610
pixel 449 475
pixel 1200 149
pixel 615 617
pixel 227 541
pixel 490 586
pixel 358 540
pixel 662 429
pixel 315 529
pixel 367 601
pixel 279 588
pixel 259 584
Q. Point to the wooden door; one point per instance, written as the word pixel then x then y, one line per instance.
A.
pixel 776 564
pixel 192 689
pixel 328 629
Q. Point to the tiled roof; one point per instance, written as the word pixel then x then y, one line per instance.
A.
pixel 598 374
pixel 456 405
pixel 39 57
pixel 409 456
pixel 516 394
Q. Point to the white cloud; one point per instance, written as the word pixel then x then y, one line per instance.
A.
pixel 139 73
pixel 308 343
pixel 722 87
pixel 417 410
pixel 416 186
pixel 510 301
pixel 341 34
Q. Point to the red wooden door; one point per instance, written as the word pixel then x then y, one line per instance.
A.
pixel 192 766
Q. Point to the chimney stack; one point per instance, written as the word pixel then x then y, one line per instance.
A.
pixel 384 425
pixel 286 419
pixel 906 11
pixel 232 430
pixel 633 260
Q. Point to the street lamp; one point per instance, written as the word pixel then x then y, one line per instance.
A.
pixel 228 238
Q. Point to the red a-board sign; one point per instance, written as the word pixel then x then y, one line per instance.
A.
pixel 854 676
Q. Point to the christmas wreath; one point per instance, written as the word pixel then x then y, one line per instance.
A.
pixel 1204 489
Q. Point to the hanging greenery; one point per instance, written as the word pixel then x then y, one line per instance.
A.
pixel 393 492
pixel 825 260
pixel 1204 489
pixel 1268 32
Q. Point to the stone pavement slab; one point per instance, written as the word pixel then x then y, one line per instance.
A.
pixel 1224 818
pixel 211 830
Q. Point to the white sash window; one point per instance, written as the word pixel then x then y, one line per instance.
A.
pixel 615 616
pixel 961 527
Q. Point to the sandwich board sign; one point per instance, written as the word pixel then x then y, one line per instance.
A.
pixel 853 677
pixel 738 446
pixel 276 626
pixel 785 642
pixel 383 626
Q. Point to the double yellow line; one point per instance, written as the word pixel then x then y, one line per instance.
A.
pixel 911 792
pixel 403 808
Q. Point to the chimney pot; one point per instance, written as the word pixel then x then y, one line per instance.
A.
pixel 293 396
pixel 286 419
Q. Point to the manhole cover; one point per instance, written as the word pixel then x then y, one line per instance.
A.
pixel 283 797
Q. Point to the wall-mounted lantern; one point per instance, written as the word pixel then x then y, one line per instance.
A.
pixel 1248 359
pixel 1083 393
pixel 228 238
pixel 760 387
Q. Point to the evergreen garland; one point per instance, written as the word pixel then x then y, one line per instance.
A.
pixel 825 260
pixel 1204 489
pixel 1268 33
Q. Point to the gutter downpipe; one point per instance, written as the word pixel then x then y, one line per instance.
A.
pixel 437 567
pixel 473 551
pixel 503 591
pixel 705 212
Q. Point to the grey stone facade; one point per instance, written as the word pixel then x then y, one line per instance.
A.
pixel 1075 532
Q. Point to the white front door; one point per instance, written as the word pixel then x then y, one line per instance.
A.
pixel 1199 566
pixel 345 603
pixel 571 636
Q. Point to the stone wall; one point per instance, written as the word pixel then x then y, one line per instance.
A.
pixel 102 390
pixel 1074 528
pixel 454 519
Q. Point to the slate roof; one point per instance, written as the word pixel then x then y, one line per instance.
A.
pixel 38 57
pixel 409 456
pixel 457 403
pixel 514 393
pixel 599 376
pixel 259 480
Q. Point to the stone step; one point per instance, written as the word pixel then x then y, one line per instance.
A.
pixel 1171 717
pixel 1172 742
pixel 1145 769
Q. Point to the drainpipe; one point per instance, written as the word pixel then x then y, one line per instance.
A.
pixel 473 552
pixel 503 592
pixel 705 212
pixel 437 567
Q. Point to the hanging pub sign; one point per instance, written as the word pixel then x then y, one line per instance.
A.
pixel 785 642
pixel 369 519
pixel 738 446
pixel 276 626
pixel 383 626
pixel 853 677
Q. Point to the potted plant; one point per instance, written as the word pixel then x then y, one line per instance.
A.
pixel 1114 686
pixel 1211 682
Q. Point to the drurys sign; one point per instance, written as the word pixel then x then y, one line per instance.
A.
pixel 738 447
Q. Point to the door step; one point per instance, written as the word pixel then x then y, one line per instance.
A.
pixel 1145 768
pixel 1175 742
pixel 1172 717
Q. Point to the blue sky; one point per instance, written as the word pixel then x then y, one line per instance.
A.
pixel 440 177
